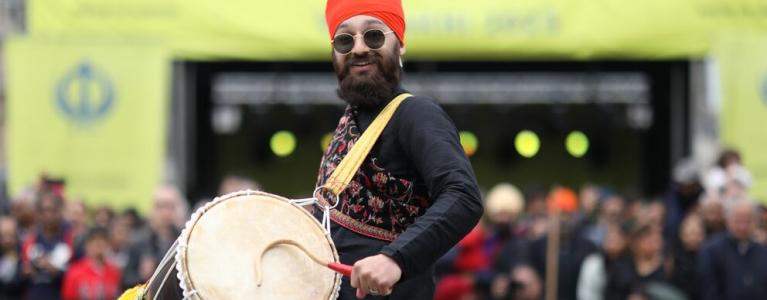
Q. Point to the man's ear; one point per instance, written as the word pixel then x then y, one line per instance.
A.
pixel 402 50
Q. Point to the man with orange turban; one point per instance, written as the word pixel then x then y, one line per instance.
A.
pixel 414 196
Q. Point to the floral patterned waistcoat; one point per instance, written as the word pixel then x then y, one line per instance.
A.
pixel 375 203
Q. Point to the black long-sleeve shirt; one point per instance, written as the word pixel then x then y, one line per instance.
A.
pixel 729 269
pixel 422 142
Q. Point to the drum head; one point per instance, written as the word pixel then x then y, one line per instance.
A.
pixel 220 247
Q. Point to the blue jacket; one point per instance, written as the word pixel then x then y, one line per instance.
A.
pixel 729 271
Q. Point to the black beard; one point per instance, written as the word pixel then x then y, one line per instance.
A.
pixel 368 90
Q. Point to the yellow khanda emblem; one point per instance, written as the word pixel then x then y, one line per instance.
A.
pixel 85 94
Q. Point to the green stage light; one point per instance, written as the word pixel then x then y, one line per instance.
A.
pixel 577 143
pixel 325 141
pixel 527 143
pixel 283 143
pixel 469 142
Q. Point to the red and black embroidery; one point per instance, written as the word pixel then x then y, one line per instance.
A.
pixel 375 203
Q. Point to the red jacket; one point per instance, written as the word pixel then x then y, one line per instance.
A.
pixel 472 256
pixel 85 281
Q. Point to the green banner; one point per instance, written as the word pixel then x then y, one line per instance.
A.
pixel 436 29
pixel 92 114
pixel 742 67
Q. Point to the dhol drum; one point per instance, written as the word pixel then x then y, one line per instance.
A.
pixel 255 245
pixel 249 245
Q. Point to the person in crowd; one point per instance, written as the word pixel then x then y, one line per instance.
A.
pixel 589 196
pixel 760 233
pixel 647 264
pixel 76 215
pixel 738 183
pixel 233 183
pixel 521 283
pixel 533 222
pixel 104 216
pixel 712 212
pixel 728 178
pixel 653 213
pixel 691 236
pixel 638 294
pixel 11 282
pixel 93 277
pixel 23 211
pixel 731 265
pixel 609 213
pixel 120 242
pixel 455 288
pixel 136 224
pixel 230 184
pixel 132 219
pixel 527 285
pixel 573 249
pixel 46 252
pixel 127 254
pixel 597 267
pixel 168 215
pixel 477 252
pixel 683 195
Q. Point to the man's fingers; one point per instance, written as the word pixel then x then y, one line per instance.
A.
pixel 355 277
pixel 360 277
pixel 386 291
pixel 374 285
pixel 365 284
pixel 362 288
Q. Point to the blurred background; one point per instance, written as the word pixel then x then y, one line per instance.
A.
pixel 120 117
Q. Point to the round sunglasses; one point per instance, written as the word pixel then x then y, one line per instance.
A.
pixel 374 39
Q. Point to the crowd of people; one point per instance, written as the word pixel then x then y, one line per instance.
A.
pixel 52 247
pixel 705 239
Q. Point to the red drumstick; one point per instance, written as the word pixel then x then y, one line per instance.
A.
pixel 340 268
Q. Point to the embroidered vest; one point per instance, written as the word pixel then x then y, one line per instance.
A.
pixel 375 203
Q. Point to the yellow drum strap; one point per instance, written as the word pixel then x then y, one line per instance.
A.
pixel 344 172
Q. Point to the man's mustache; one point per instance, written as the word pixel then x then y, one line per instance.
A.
pixel 372 58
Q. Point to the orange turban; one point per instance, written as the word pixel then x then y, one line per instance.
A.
pixel 563 199
pixel 388 11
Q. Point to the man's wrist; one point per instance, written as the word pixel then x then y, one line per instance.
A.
pixel 394 255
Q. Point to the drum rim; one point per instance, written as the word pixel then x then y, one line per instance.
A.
pixel 185 281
